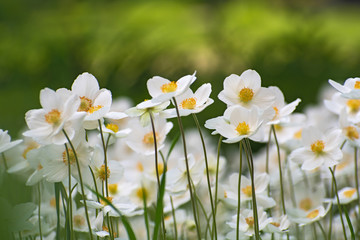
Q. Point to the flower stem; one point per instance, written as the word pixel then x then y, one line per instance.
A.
pixel 105 160
pixel 357 178
pixel 5 162
pixel 69 199
pixel 239 193
pixel 174 218
pixel 39 211
pixel 187 169
pixel 207 174
pixel 217 176
pixel 81 183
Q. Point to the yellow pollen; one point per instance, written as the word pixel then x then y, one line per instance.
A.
pixel 313 214
pixel 105 228
pixel 357 85
pixel 349 193
pixel 353 105
pixel 243 128
pixel 27 150
pixel 53 202
pixel 351 132
pixel 39 167
pixel 249 221
pixel 107 198
pixel 101 172
pixel 225 194
pixel 160 168
pixel 141 193
pixel 247 191
pixel 318 147
pixel 189 103
pixel 53 117
pixel 149 138
pixel 139 167
pixel 276 112
pixel 94 109
pixel 298 134
pixel 71 158
pixel 113 188
pixel 275 224
pixel 169 87
pixel 168 217
pixel 305 204
pixel 278 127
pixel 113 127
pixel 342 165
pixel 79 220
pixel 246 94
pixel 85 104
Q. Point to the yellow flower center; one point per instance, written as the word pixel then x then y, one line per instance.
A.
pixel 246 94
pixel 349 193
pixel 189 103
pixel 275 224
pixel 53 117
pixel 141 193
pixel 351 132
pixel 247 191
pixel 53 202
pixel 342 165
pixel 298 134
pixel 243 128
pixel 68 159
pixel 169 87
pixel 225 194
pixel 30 147
pixel 78 220
pixel 113 188
pixel 318 147
pixel 101 172
pixel 149 138
pixel 276 112
pixel 313 214
pixel 160 168
pixel 305 204
pixel 139 167
pixel 113 127
pixel 357 85
pixel 105 203
pixel 94 109
pixel 353 105
pixel 85 104
pixel 250 221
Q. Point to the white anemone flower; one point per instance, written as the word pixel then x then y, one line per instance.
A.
pixel 59 113
pixel 346 195
pixel 190 102
pixel 147 107
pixel 162 90
pixel 239 123
pixel 350 89
pixel 5 141
pixel 141 139
pixel 278 224
pixel 342 106
pixel 350 131
pixel 306 217
pixel 282 110
pixel 246 90
pixel 319 149
pixel 95 102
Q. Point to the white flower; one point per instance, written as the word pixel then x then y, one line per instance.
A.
pixel 350 131
pixel 278 224
pixel 306 217
pixel 161 89
pixel 144 109
pixel 95 102
pixel 5 141
pixel 190 102
pixel 59 113
pixel 342 106
pixel 246 91
pixel 319 149
pixel 350 89
pixel 346 195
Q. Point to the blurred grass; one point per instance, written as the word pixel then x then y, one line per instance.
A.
pixel 47 44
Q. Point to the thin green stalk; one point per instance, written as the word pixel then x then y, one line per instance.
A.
pixel 187 169
pixel 145 212
pixel 174 218
pixel 70 200
pixel 81 183
pixel 252 172
pixel 5 162
pixel 57 204
pixel 330 210
pixel 207 174
pixel 357 178
pixel 105 160
pixel 239 193
pixel 322 230
pixel 338 202
pixel 39 210
pixel 217 175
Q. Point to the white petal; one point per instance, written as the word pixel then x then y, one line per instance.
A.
pixel 86 85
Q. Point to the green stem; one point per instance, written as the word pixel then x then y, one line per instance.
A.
pixel 217 176
pixel 174 218
pixel 81 183
pixel 338 202
pixel 322 230
pixel 145 212
pixel 70 200
pixel 207 174
pixel 187 170
pixel 39 211
pixel 239 193
pixel 357 178
pixel 105 160
pixel 5 162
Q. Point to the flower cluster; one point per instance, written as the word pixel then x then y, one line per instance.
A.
pixel 106 169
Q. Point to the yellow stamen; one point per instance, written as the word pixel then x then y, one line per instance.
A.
pixel 243 128
pixel 94 109
pixel 160 168
pixel 113 127
pixel 53 117
pixel 113 188
pixel 305 204
pixel 313 214
pixel 250 221
pixel 342 165
pixel 225 194
pixel 105 203
pixel 139 167
pixel 169 87
pixel 351 132
pixel 149 138
pixel 247 191
pixel 276 112
pixel 71 158
pixel 353 105
pixel 141 193
pixel 349 193
pixel 78 220
pixel 318 147
pixel 298 134
pixel 189 103
pixel 53 202
pixel 85 104
pixel 30 147
pixel 101 172
pixel 357 85
pixel 246 94
pixel 275 224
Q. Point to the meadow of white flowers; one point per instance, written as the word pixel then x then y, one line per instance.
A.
pixel 103 169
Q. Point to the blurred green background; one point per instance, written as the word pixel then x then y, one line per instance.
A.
pixel 296 45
